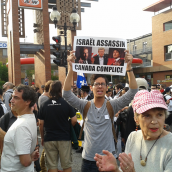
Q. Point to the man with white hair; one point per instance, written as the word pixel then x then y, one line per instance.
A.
pixel 100 59
pixel 8 89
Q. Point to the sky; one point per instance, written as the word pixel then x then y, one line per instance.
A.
pixel 106 18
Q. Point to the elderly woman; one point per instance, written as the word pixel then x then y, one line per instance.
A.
pixel 148 149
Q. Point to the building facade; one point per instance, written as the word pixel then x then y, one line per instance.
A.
pixel 157 58
pixel 141 47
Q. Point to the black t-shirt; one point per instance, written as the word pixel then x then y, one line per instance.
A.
pixel 55 114
pixel 7 120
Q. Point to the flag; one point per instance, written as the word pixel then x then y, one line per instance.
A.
pixel 81 80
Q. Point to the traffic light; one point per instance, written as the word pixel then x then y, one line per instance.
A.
pixel 57 53
pixel 57 39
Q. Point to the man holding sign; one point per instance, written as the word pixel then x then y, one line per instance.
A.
pixel 98 125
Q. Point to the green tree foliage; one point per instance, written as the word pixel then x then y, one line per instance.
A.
pixel 53 77
pixel 29 73
pixel 3 74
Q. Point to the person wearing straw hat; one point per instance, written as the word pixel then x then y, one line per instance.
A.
pixel 148 149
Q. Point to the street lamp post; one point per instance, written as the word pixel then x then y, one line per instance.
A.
pixel 74 19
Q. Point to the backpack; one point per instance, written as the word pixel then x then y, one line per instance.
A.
pixel 1 110
pixel 111 114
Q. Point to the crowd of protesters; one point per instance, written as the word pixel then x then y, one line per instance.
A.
pixel 131 124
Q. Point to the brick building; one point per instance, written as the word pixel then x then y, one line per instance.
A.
pixel 160 69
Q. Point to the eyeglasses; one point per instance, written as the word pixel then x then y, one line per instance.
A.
pixel 97 84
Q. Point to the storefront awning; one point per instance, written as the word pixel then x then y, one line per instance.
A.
pixel 158 6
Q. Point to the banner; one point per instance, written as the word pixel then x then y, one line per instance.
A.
pixel 34 4
pixel 97 55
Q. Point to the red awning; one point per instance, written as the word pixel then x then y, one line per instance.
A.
pixel 158 6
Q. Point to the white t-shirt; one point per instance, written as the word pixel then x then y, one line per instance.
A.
pixel 101 60
pixel 20 139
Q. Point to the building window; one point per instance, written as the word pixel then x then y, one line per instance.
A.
pixel 168 76
pixel 134 48
pixel 168 26
pixel 144 46
pixel 4 52
pixel 168 52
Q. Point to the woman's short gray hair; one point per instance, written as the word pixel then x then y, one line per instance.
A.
pixel 165 111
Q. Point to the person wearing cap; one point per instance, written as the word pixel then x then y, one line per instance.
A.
pixel 148 149
pixel 85 93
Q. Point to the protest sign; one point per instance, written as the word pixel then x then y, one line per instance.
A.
pixel 97 55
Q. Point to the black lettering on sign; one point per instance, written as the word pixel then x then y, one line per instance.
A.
pixel 93 68
pixel 123 44
pixel 102 43
pixel 110 43
pixel 110 68
pixel 76 67
pixel 106 42
pixel 105 69
pixel 87 42
pixel 93 42
pixel 98 42
pixel 79 41
pixel 83 42
pixel 113 43
pixel 121 69
pixel 117 43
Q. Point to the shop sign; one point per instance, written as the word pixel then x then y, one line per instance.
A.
pixel 3 45
pixel 167 80
pixel 32 4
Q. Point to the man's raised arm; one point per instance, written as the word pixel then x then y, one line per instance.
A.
pixel 68 80
pixel 131 77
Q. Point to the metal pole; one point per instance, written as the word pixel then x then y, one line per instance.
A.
pixel 65 35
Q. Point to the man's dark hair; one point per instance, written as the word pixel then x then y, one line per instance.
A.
pixel 47 85
pixel 119 86
pixel 96 76
pixel 154 86
pixel 82 52
pixel 108 91
pixel 36 89
pixel 126 89
pixel 55 90
pixel 1 91
pixel 28 94
pixel 158 86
